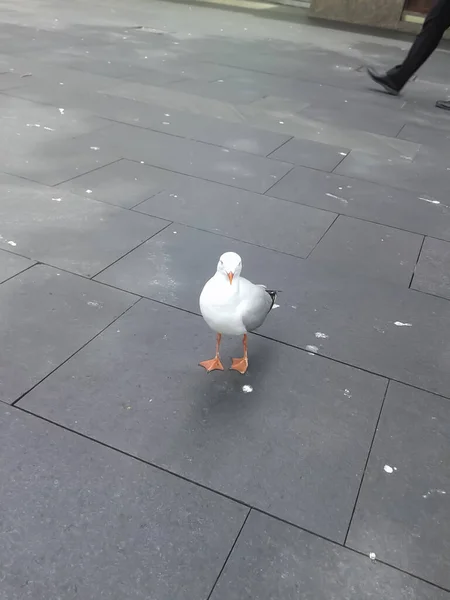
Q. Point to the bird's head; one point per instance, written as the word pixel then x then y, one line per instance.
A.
pixel 230 265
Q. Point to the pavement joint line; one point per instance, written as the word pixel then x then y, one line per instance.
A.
pixel 323 235
pixel 72 355
pixel 388 383
pixel 113 162
pixel 417 262
pixel 340 162
pixel 229 554
pixel 278 147
pixel 217 492
pixel 20 272
pixel 169 223
pixel 278 180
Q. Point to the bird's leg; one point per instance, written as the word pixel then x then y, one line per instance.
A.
pixel 241 364
pixel 214 364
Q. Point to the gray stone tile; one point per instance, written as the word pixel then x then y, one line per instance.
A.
pixel 362 321
pixel 311 154
pixel 274 560
pixel 238 169
pixel 375 250
pixel 235 136
pixel 124 183
pixel 10 80
pixel 419 213
pixel 357 115
pixel 237 214
pixel 333 133
pixel 42 148
pixel 183 123
pixel 432 274
pixel 429 136
pixel 223 90
pixel 73 233
pixel 427 173
pixel 11 264
pixel 28 126
pixel 46 317
pixel 402 511
pixel 80 520
pixel 299 438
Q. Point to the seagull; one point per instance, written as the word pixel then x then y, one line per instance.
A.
pixel 232 305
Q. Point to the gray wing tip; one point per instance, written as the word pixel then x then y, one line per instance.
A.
pixel 273 295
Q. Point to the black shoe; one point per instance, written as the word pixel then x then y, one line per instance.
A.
pixel 444 104
pixel 385 81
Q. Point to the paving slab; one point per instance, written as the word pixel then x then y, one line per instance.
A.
pixel 386 329
pixel 369 248
pixel 212 130
pixel 231 91
pixel 273 560
pixel 402 511
pixel 80 520
pixel 235 136
pixel 11 264
pixel 51 160
pixel 48 315
pixel 27 126
pixel 67 231
pixel 432 273
pixel 310 154
pixel 124 183
pixel 427 173
pixel 237 169
pixel 299 436
pixel 429 136
pixel 411 211
pixel 237 214
pixel 354 114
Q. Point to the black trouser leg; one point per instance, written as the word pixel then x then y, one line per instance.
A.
pixel 434 27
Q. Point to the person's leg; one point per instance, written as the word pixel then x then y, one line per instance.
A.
pixel 436 22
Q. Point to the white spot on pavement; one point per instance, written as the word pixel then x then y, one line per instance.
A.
pixel 430 201
pixel 95 148
pixel 337 198
pixel 431 492
pixel 61 110
pixel 400 324
pixel 388 469
pixel 312 349
pixel 96 304
pixel 56 199
pixel 372 556
pixel 247 389
pixel 320 335
pixel 275 306
pixel 88 191
pixel 347 393
pixel 11 243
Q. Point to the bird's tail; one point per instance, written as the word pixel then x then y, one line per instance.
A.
pixel 273 294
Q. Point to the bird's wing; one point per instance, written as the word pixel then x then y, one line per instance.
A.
pixel 255 304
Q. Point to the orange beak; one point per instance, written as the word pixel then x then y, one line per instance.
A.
pixel 230 277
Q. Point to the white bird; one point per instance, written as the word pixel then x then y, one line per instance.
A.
pixel 232 305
